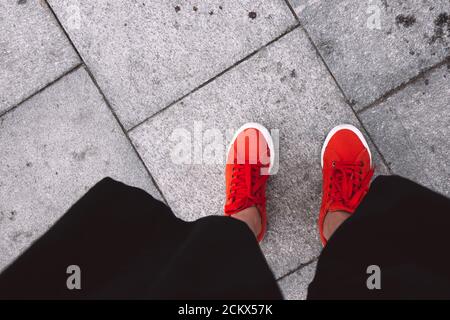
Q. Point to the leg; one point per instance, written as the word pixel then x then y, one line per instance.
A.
pixel 220 260
pixel 400 227
pixel 103 233
pixel 129 245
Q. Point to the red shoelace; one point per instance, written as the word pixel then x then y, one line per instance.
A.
pixel 246 187
pixel 347 184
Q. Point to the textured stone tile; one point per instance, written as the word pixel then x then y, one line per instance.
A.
pixel 53 148
pixel 33 50
pixel 147 54
pixel 411 128
pixel 295 285
pixel 368 62
pixel 284 87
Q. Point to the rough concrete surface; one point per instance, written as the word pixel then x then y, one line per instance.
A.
pixel 369 58
pixel 147 54
pixel 33 50
pixel 295 285
pixel 411 129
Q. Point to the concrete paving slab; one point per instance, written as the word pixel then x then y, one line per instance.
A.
pixel 284 87
pixel 412 131
pixel 295 285
pixel 147 54
pixel 33 50
pixel 373 46
pixel 54 147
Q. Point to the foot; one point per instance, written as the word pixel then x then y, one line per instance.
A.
pixel 249 161
pixel 347 170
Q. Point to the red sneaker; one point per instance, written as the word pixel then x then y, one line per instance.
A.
pixel 347 170
pixel 249 162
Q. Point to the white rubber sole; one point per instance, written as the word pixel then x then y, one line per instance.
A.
pixel 346 127
pixel 266 135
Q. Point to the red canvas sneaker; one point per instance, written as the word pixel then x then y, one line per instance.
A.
pixel 249 162
pixel 347 170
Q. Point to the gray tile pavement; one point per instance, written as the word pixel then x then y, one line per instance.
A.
pixel 148 54
pixel 411 128
pixel 369 58
pixel 33 50
pixel 295 285
pixel 55 147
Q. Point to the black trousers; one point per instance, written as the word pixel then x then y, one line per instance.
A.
pixel 129 245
